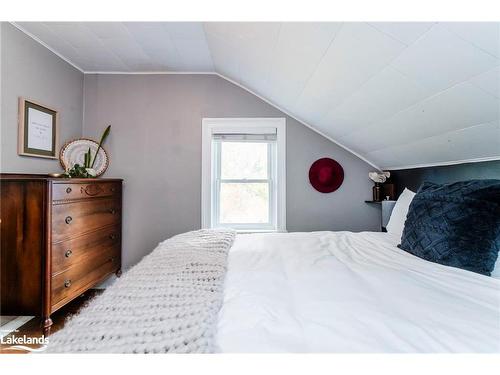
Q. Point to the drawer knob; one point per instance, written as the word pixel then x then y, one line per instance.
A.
pixel 68 253
pixel 68 219
pixel 113 189
pixel 112 236
pixel 69 190
pixel 67 283
pixel 112 211
pixel 112 260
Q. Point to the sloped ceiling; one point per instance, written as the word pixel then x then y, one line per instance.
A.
pixel 397 94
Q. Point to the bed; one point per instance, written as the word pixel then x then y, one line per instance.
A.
pixel 351 292
pixel 218 291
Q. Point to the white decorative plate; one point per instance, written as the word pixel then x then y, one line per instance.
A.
pixel 73 153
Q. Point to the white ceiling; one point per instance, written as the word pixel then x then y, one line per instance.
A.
pixel 397 94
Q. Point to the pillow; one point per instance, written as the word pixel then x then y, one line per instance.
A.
pixel 397 220
pixel 455 224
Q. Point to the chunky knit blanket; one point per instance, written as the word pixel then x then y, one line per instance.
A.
pixel 167 303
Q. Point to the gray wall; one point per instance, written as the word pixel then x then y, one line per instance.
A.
pixel 155 145
pixel 30 70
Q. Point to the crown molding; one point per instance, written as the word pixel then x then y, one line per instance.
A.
pixel 117 72
pixel 443 164
pixel 20 28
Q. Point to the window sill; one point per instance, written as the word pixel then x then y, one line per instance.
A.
pixel 249 231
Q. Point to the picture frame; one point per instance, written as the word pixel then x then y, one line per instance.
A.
pixel 38 130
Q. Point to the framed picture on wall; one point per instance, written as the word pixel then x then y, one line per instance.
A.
pixel 38 132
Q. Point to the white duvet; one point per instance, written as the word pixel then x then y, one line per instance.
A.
pixel 351 292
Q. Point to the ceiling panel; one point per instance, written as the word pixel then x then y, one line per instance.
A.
pixel 489 81
pixel 224 57
pixel 396 93
pixel 481 34
pixel 457 108
pixel 127 50
pixel 476 142
pixel 107 30
pixel 79 36
pixel 441 59
pixel 191 45
pixel 357 53
pixel 383 95
pixel 405 32
pixel 156 43
pixel 298 51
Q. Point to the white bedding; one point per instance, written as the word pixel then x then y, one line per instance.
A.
pixel 351 292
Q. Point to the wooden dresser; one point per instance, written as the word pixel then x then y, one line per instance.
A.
pixel 58 238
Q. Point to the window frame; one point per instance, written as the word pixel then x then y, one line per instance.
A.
pixel 277 189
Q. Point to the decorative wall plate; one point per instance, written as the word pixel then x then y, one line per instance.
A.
pixel 326 175
pixel 73 153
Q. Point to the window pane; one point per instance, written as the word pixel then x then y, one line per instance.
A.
pixel 241 160
pixel 244 203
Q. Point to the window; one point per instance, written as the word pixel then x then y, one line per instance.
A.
pixel 243 174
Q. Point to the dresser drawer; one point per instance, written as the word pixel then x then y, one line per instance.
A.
pixel 88 247
pixel 82 276
pixel 71 191
pixel 73 219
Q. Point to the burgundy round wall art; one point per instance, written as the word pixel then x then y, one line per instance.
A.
pixel 326 175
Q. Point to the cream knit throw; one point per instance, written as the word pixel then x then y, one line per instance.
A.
pixel 167 303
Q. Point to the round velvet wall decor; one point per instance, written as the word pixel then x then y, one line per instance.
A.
pixel 326 175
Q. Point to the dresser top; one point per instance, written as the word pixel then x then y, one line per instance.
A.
pixel 45 177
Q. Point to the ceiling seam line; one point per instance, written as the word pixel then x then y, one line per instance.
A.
pixel 483 90
pixel 319 62
pixel 473 44
pixel 208 45
pixel 181 59
pixel 268 74
pixel 110 50
pixel 136 41
pixel 387 34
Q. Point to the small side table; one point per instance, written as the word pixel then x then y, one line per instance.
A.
pixel 387 207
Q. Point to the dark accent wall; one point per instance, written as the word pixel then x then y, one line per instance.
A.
pixel 413 178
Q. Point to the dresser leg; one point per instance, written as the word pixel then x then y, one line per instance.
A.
pixel 46 325
pixel 118 273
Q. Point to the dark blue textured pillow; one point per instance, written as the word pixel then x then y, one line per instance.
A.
pixel 455 224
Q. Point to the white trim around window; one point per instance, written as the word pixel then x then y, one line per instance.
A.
pixel 274 128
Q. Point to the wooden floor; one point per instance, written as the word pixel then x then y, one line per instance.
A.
pixel 32 328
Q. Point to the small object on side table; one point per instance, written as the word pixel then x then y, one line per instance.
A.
pixel 376 192
pixel 378 178
pixel 388 191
